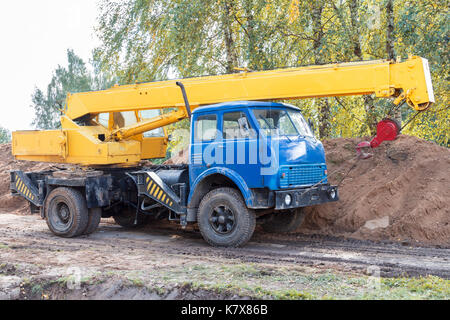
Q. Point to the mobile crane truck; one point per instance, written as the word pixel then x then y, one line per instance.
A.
pixel 249 159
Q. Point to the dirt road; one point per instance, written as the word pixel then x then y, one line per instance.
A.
pixel 164 253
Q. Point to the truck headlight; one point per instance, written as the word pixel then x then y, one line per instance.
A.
pixel 288 199
pixel 332 193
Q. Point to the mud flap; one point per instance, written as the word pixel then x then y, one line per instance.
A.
pixel 21 185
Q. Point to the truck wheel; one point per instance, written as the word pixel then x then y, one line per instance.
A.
pixel 95 215
pixel 224 220
pixel 126 218
pixel 66 212
pixel 284 222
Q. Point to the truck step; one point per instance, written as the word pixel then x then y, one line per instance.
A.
pixel 150 185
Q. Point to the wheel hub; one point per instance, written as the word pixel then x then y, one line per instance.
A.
pixel 64 213
pixel 222 220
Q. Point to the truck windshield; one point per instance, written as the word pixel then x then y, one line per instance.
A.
pixel 300 123
pixel 281 122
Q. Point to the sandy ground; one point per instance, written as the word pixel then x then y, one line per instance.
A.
pixel 168 258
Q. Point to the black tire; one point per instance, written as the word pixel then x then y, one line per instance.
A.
pixel 224 220
pixel 66 212
pixel 126 216
pixel 284 222
pixel 95 215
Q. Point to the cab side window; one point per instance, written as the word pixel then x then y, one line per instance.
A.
pixel 148 114
pixel 103 119
pixel 206 128
pixel 236 126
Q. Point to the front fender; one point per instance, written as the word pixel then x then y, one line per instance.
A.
pixel 232 175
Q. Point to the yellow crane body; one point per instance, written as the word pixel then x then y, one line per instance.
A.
pixel 83 139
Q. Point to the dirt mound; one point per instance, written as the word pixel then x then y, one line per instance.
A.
pixel 400 194
pixel 8 203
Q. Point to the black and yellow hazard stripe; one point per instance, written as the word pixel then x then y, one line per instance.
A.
pixel 24 190
pixel 156 189
pixel 157 192
pixel 22 185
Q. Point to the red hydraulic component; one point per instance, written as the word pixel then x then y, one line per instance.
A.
pixel 362 150
pixel 387 130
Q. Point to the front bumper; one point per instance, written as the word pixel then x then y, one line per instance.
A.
pixel 305 197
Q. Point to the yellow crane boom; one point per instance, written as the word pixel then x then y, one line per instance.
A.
pixel 91 143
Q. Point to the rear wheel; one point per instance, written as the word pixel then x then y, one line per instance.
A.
pixel 284 222
pixel 224 220
pixel 126 217
pixel 95 215
pixel 66 212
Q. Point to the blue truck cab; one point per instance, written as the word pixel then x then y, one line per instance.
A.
pixel 266 154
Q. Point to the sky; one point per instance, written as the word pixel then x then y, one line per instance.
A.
pixel 34 38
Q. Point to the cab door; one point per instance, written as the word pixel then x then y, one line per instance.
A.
pixel 204 150
pixel 240 147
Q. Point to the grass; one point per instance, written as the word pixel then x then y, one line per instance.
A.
pixel 335 287
pixel 261 281
pixel 37 289
pixel 136 282
pixel 429 287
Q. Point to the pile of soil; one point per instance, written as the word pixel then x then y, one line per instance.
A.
pixel 8 203
pixel 399 194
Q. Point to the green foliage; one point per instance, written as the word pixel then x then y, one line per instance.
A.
pixel 5 135
pixel 47 106
pixel 74 78
pixel 147 40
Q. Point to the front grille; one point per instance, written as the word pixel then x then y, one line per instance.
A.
pixel 300 175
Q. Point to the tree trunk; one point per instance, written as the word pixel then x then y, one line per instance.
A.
pixel 324 108
pixel 252 54
pixel 353 6
pixel 369 105
pixel 390 30
pixel 228 34
pixel 390 40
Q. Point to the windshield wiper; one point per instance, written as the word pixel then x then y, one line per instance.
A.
pixel 287 137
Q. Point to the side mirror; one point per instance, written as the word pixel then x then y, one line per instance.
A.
pixel 243 126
